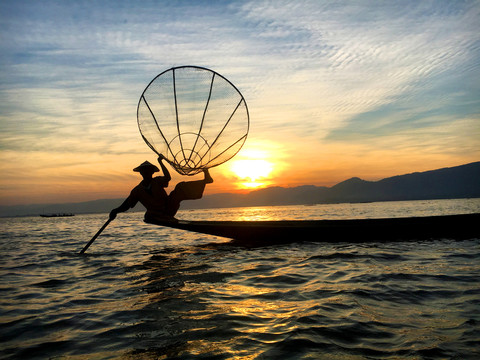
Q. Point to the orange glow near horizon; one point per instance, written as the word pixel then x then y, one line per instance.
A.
pixel 253 169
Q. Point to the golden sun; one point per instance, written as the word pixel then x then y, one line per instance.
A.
pixel 252 172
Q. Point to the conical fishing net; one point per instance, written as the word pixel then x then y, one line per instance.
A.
pixel 194 117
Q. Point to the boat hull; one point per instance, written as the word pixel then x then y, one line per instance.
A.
pixel 465 226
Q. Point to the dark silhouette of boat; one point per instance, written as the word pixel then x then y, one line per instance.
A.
pixel 57 215
pixel 465 226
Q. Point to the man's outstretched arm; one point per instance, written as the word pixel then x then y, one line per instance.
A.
pixel 127 204
pixel 166 173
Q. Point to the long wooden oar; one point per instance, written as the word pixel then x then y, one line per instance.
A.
pixel 95 236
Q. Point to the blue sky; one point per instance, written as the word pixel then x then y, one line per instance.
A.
pixel 335 89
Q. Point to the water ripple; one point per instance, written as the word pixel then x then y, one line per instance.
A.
pixel 144 294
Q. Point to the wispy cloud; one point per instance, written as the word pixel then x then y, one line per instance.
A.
pixel 353 59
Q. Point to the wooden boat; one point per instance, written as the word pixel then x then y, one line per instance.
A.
pixel 465 226
pixel 57 215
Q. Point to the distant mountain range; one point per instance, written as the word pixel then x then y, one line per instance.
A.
pixel 448 183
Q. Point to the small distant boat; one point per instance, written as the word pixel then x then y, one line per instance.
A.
pixel 464 226
pixel 57 215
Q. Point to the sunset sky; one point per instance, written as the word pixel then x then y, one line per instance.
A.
pixel 335 89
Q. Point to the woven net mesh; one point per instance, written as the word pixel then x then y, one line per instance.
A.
pixel 194 117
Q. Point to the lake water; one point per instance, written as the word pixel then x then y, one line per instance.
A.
pixel 146 292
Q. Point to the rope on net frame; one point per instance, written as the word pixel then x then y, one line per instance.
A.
pixel 190 159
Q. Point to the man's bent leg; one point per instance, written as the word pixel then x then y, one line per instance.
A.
pixel 185 190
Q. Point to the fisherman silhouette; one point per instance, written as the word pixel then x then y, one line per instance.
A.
pixel 151 192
